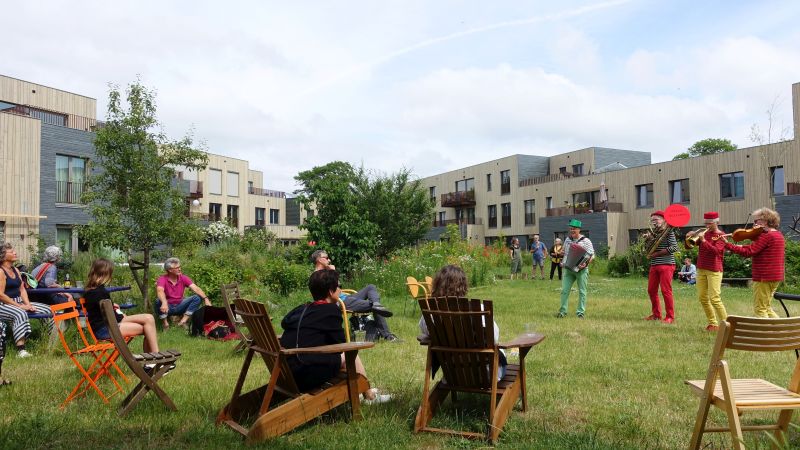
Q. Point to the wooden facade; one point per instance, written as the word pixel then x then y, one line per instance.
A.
pixel 47 98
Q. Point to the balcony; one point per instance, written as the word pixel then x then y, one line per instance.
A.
pixel 470 221
pixel 266 192
pixel 69 192
pixel 191 189
pixel 458 199
pixel 570 210
pixel 54 118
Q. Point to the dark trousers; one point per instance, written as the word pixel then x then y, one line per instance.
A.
pixel 362 301
pixel 553 267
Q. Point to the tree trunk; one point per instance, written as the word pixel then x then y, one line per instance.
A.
pixel 146 278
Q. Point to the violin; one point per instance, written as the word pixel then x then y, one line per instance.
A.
pixel 744 234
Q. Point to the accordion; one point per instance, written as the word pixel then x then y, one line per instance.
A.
pixel 577 255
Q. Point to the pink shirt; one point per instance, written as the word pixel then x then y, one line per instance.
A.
pixel 174 292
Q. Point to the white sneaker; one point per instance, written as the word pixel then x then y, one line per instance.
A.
pixel 23 354
pixel 379 398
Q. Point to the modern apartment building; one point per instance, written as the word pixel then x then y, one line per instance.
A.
pixel 46 151
pixel 228 190
pixel 613 192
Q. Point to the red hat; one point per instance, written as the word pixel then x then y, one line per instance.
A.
pixel 658 213
pixel 711 215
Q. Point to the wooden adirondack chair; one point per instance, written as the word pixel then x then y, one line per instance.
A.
pixel 735 396
pixel 278 406
pixel 461 340
pixel 162 363
pixel 417 291
pixel 230 292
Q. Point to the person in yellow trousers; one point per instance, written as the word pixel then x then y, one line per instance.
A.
pixel 709 271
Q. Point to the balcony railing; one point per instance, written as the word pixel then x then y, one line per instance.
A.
pixel 570 210
pixel 460 198
pixel 469 221
pixel 548 178
pixel 266 192
pixel 69 191
pixel 55 118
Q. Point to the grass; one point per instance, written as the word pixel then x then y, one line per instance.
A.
pixel 612 381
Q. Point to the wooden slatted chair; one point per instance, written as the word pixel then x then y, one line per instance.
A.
pixel 429 283
pixel 278 406
pixel 417 291
pixel 461 341
pixel 735 396
pixel 91 373
pixel 230 292
pixel 161 363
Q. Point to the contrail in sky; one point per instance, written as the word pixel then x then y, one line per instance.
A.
pixel 427 43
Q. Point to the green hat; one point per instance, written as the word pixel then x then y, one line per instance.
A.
pixel 575 223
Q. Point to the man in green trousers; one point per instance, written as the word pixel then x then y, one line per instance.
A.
pixel 577 268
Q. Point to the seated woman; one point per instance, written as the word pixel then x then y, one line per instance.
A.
pixel 451 281
pixel 14 303
pixel 135 325
pixel 49 279
pixel 315 324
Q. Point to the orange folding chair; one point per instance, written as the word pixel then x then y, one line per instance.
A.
pixel 99 354
pixel 112 359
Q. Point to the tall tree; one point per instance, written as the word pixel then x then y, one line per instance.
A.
pixel 132 195
pixel 339 225
pixel 705 147
pixel 398 205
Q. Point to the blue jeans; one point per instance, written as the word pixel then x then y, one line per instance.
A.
pixel 187 306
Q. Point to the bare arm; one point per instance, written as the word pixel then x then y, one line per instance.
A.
pixel 196 289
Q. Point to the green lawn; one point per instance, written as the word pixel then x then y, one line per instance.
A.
pixel 611 381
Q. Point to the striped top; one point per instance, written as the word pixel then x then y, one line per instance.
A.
pixel 768 255
pixel 709 252
pixel 670 244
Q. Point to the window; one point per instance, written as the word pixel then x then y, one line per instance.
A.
pixel 492 213
pixel 233 215
pixel 260 214
pixel 776 180
pixel 465 216
pixel 442 218
pixel 505 182
pixel 70 179
pixel 577 169
pixel 250 187
pixel 644 196
pixel 64 237
pixel 505 208
pixel 679 191
pixel 215 212
pixel 530 212
pixel 432 194
pixel 274 216
pixel 465 185
pixel 562 170
pixel 215 181
pixel 233 184
pixel 731 186
pixel 548 202
pixel 2 231
pixel 309 212
pixel 488 182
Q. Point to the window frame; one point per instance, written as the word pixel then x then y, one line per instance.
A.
pixel 530 217
pixel 686 196
pixel 505 182
pixel 505 219
pixel 491 212
pixel 74 186
pixel 772 171
pixel 262 221
pixel 649 196
pixel 274 216
pixel 732 176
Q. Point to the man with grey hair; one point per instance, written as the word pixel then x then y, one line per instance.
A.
pixel 48 272
pixel 170 288
pixel 367 300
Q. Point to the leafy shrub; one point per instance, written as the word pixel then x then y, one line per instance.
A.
pixel 283 277
pixel 618 266
pixel 219 231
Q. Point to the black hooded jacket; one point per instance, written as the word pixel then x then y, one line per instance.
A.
pixel 312 325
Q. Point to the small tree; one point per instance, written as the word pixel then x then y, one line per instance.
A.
pixel 705 147
pixel 132 197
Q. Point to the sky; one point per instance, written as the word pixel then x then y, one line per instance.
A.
pixel 429 86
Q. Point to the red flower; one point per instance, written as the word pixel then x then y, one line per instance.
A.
pixel 312 243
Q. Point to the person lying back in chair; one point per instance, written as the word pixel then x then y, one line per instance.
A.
pixel 315 324
pixel 367 300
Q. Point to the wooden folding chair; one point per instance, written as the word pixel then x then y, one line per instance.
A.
pixel 230 292
pixel 429 284
pixel 112 359
pixel 461 341
pixel 63 313
pixel 278 406
pixel 735 396
pixel 417 290
pixel 160 363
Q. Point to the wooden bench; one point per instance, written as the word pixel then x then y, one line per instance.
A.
pixel 740 282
